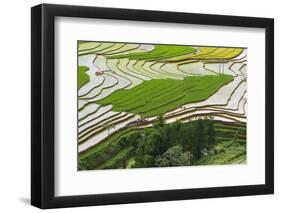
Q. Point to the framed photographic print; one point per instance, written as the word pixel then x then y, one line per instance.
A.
pixel 139 106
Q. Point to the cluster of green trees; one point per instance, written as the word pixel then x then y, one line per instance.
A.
pixel 175 144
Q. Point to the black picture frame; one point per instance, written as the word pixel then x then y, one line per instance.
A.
pixel 43 105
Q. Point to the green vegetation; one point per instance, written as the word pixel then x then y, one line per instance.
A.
pixel 83 77
pixel 156 97
pixel 174 156
pixel 228 152
pixel 159 52
pixel 208 53
pixel 199 142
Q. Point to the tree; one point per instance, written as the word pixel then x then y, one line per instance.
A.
pixel 174 157
pixel 211 134
pixel 200 139
pixel 184 136
pixel 190 132
pixel 160 121
pixel 140 148
pixel 157 142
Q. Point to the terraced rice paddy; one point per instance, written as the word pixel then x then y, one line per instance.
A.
pixel 126 89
